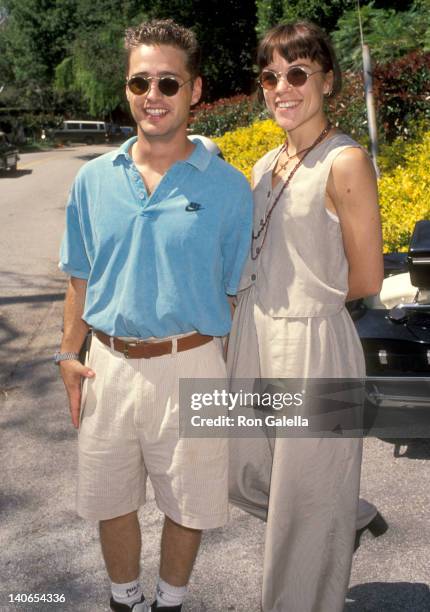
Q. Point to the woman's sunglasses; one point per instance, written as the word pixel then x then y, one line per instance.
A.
pixel 295 76
pixel 167 85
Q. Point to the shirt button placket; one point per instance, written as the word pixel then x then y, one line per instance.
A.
pixel 139 187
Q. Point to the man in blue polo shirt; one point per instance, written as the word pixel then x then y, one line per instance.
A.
pixel 156 236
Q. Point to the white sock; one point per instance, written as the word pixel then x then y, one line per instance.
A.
pixel 168 595
pixel 127 593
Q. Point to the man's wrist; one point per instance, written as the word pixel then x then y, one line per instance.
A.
pixel 65 356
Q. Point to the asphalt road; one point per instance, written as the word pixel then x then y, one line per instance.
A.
pixel 45 548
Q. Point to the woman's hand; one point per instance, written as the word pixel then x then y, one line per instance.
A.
pixel 352 193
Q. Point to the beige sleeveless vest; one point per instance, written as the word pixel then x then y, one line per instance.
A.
pixel 302 270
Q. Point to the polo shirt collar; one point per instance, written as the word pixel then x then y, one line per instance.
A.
pixel 122 151
pixel 199 158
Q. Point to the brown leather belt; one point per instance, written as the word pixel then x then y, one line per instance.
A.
pixel 138 349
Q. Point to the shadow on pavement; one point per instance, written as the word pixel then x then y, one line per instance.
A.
pixel 20 284
pixel 14 502
pixel 374 597
pixel 14 423
pixel 416 449
pixel 41 297
pixel 90 156
pixel 410 448
pixel 8 332
pixel 38 388
pixel 16 174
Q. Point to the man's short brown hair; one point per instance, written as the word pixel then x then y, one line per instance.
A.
pixel 165 32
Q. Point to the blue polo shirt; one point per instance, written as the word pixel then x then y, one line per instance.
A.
pixel 157 264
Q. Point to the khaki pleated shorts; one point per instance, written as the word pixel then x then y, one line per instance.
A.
pixel 129 431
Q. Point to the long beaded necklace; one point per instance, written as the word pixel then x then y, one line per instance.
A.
pixel 264 223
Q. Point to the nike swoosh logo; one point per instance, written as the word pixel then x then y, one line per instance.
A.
pixel 193 207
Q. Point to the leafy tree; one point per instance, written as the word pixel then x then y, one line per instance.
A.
pixel 397 5
pixel 268 14
pixel 94 70
pixel 76 45
pixel 94 65
pixel 389 34
pixel 326 13
pixel 34 37
pixel 37 35
pixel 6 74
pixel 226 32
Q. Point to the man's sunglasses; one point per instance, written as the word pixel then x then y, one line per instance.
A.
pixel 295 76
pixel 167 85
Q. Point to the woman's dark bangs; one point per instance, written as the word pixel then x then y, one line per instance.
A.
pixel 299 47
pixel 292 47
pixel 300 40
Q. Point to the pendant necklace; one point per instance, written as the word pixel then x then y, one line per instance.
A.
pixel 264 223
pixel 289 157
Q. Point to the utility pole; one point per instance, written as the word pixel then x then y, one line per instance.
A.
pixel 370 100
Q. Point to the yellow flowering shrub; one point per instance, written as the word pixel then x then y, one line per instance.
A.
pixel 404 191
pixel 405 195
pixel 244 146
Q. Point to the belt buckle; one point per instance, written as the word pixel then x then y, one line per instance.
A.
pixel 127 346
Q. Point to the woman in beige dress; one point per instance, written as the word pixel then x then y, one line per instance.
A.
pixel 316 244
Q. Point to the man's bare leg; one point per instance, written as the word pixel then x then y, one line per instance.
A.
pixel 179 547
pixel 121 543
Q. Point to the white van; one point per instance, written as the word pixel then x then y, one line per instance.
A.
pixel 81 131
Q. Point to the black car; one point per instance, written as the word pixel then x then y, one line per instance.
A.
pixel 8 154
pixel 395 333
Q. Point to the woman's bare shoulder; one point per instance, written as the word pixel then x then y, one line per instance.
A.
pixel 352 161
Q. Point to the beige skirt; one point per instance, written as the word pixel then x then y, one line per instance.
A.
pixel 306 488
